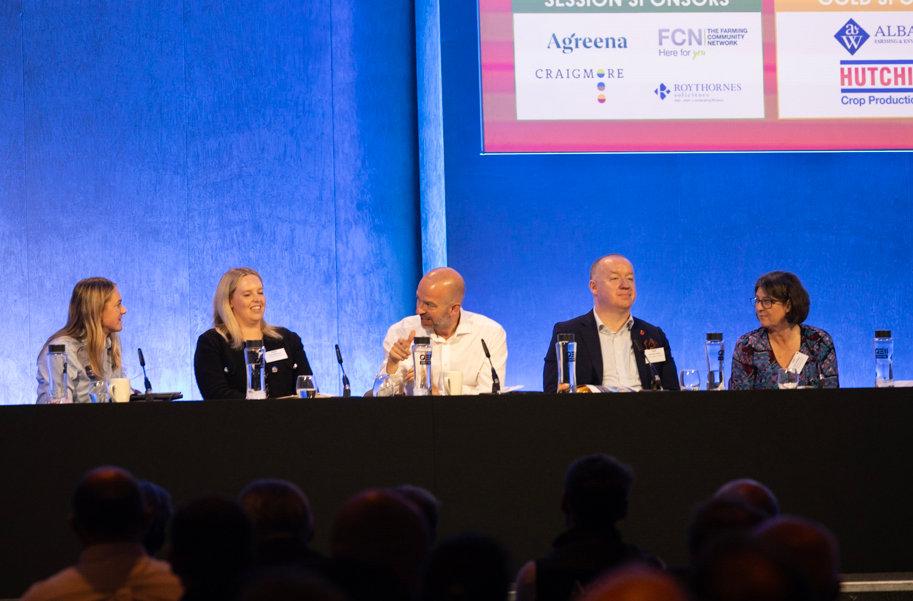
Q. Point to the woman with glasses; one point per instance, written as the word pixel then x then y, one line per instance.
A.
pixel 783 341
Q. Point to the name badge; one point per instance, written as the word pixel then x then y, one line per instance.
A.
pixel 798 362
pixel 656 355
pixel 275 355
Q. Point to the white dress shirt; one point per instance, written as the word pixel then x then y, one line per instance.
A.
pixel 619 367
pixel 461 352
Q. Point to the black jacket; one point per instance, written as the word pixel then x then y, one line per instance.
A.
pixel 589 354
pixel 220 369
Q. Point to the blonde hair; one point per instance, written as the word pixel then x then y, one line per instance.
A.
pixel 84 323
pixel 223 318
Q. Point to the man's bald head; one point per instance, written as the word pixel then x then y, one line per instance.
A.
pixel 634 582
pixel 811 547
pixel 382 530
pixel 108 506
pixel 438 300
pixel 753 493
pixel 446 282
pixel 599 263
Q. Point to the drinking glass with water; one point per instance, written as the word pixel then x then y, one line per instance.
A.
pixel 98 391
pixel 690 379
pixel 787 379
pixel 306 387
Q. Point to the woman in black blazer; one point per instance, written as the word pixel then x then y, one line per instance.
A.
pixel 237 315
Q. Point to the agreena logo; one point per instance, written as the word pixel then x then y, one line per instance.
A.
pixel 572 42
pixel 851 36
pixel 662 91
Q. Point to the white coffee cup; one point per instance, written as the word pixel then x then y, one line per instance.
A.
pixel 120 390
pixel 453 383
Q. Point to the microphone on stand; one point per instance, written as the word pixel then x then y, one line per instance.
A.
pixel 657 381
pixel 148 384
pixel 495 381
pixel 346 390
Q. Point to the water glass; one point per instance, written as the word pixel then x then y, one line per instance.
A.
pixel 306 387
pixel 98 391
pixel 690 379
pixel 384 386
pixel 787 379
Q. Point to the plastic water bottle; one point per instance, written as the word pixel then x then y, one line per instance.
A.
pixel 566 353
pixel 256 372
pixel 421 362
pixel 57 374
pixel 884 359
pixel 715 349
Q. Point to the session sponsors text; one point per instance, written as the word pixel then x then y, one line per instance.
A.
pixel 621 6
pixel 638 65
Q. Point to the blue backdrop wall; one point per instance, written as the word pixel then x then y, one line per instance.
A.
pixel 160 143
pixel 699 229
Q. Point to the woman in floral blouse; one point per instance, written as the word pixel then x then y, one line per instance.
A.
pixel 782 304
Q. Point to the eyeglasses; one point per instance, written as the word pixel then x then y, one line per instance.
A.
pixel 767 303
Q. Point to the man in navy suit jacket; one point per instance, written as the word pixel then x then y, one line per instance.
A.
pixel 610 325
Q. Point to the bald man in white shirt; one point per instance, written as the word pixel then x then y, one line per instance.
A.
pixel 456 336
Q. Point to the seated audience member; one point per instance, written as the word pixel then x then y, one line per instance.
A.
pixel 781 305
pixel 611 343
pixel 636 582
pixel 425 501
pixel 237 315
pixel 811 547
pixel 288 584
pixel 379 543
pixel 283 524
pixel 159 503
pixel 109 520
pixel 470 567
pixel 754 493
pixel 595 498
pixel 91 339
pixel 456 336
pixel 740 568
pixel 211 546
pixel 719 517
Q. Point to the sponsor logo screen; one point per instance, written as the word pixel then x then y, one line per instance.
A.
pixel 696 75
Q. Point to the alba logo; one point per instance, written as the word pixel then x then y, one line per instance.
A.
pixel 851 36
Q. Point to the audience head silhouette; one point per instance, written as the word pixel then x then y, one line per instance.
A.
pixel 211 542
pixel 811 547
pixel 470 567
pixel 158 501
pixel 425 501
pixel 718 517
pixel 278 509
pixel 636 582
pixel 596 492
pixel 383 531
pixel 108 507
pixel 753 493
pixel 740 568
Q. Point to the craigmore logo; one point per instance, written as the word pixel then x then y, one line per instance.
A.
pixel 851 36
